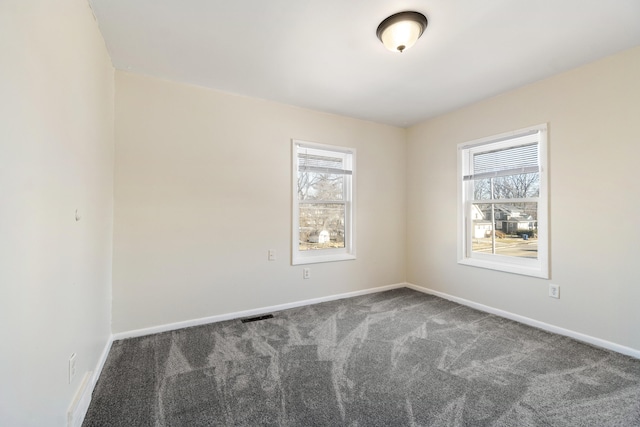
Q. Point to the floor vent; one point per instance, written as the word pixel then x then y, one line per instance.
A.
pixel 255 319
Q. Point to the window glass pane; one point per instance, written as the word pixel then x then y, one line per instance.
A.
pixel 507 187
pixel 482 225
pixel 482 189
pixel 320 186
pixel 516 186
pixel 321 226
pixel 514 225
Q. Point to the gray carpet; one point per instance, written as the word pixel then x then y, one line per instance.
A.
pixel 396 358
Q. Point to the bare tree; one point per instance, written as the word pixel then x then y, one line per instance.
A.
pixel 517 186
pixel 507 187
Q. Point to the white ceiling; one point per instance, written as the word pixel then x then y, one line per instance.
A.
pixel 324 54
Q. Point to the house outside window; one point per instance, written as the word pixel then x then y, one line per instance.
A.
pixel 323 203
pixel 502 202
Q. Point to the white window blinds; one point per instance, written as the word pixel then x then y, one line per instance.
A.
pixel 514 160
pixel 311 160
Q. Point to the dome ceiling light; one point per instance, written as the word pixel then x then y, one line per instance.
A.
pixel 401 30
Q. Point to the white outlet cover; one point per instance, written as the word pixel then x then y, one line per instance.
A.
pixel 554 291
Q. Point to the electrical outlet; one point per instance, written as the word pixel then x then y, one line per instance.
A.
pixel 306 273
pixel 554 291
pixel 72 367
pixel 272 255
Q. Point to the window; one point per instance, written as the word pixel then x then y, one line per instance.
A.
pixel 323 203
pixel 502 203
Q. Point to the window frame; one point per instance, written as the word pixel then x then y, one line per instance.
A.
pixel 299 257
pixel 511 264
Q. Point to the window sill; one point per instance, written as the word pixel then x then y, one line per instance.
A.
pixel 534 270
pixel 319 258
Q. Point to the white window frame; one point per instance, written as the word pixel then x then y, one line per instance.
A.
pixel 530 267
pixel 334 254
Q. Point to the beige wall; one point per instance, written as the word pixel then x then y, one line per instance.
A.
pixel 56 156
pixel 203 191
pixel 594 150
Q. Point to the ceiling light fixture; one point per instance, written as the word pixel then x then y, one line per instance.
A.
pixel 402 30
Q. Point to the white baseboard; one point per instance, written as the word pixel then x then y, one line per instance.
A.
pixel 81 401
pixel 78 408
pixel 101 362
pixel 246 313
pixel 532 322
